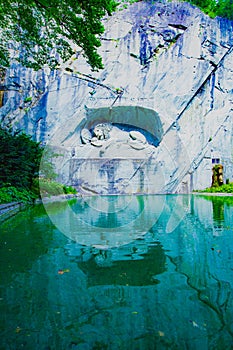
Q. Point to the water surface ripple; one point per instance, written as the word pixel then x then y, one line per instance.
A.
pixel 154 272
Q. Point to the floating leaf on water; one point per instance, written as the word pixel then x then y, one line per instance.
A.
pixel 194 324
pixel 61 272
pixel 18 329
pixel 161 334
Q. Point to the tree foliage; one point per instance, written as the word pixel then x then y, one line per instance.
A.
pixel 47 30
pixel 224 8
pixel 44 32
pixel 19 159
pixel 221 8
pixel 22 161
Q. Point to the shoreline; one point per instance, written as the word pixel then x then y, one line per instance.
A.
pixel 7 208
pixel 73 196
pixel 219 194
pixel 60 197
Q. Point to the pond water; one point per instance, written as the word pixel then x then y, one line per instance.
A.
pixel 130 272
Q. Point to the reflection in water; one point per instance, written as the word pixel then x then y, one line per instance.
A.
pixel 164 289
pixel 218 211
pixel 106 221
pixel 220 208
pixel 139 271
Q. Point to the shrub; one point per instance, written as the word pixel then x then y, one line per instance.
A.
pixel 227 188
pixel 69 189
pixel 13 194
pixel 50 188
pixel 53 188
pixel 19 158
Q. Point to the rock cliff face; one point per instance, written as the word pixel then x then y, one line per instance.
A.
pixel 155 120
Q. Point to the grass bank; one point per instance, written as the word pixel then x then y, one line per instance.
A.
pixel 224 189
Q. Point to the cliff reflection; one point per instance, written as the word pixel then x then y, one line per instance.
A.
pixel 138 271
pixel 162 290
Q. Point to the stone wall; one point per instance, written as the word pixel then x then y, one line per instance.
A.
pixel 115 176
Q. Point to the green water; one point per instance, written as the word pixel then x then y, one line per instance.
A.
pixel 140 273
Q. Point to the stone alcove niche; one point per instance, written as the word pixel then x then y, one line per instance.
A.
pixel 115 150
pixel 135 116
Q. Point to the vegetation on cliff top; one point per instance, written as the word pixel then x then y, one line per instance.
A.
pixel 48 31
pixel 221 8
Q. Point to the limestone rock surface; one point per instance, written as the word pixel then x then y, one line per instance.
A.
pixel 168 76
